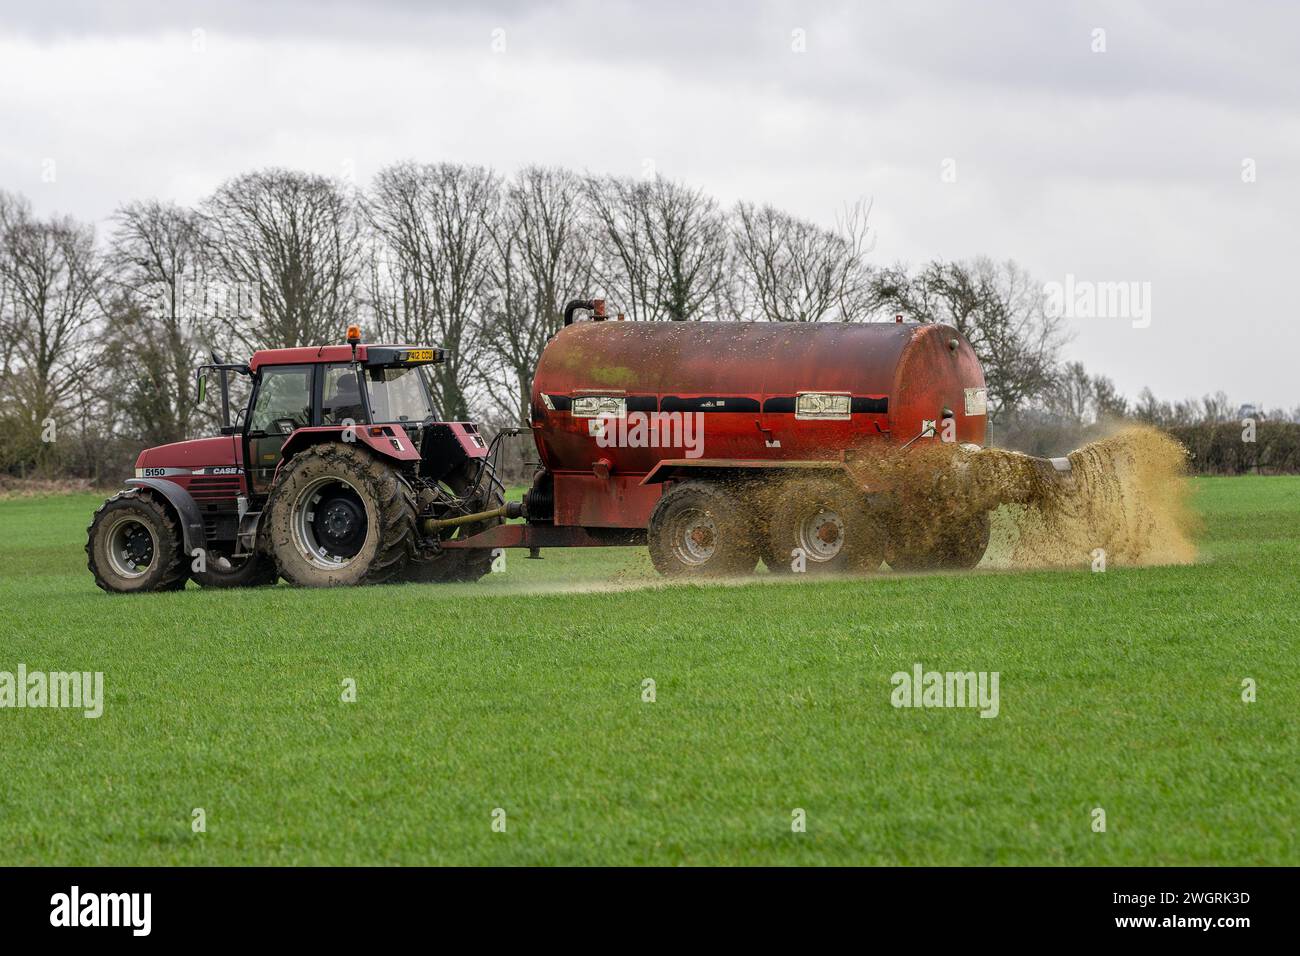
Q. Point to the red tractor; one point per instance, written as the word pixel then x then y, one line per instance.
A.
pixel 338 472
pixel 718 444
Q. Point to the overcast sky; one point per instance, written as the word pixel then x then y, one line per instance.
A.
pixel 1001 129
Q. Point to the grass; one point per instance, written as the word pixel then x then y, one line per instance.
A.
pixel 1119 690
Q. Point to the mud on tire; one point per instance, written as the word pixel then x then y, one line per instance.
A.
pixel 339 515
pixel 829 522
pixel 700 528
pixel 133 545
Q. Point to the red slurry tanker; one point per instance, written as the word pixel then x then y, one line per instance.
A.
pixel 717 444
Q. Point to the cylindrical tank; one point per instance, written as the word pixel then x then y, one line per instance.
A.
pixel 752 391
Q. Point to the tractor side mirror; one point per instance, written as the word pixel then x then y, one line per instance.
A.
pixel 203 387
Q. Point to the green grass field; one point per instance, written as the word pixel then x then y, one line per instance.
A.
pixel 1120 690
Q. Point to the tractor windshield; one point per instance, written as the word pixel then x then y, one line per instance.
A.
pixel 399 394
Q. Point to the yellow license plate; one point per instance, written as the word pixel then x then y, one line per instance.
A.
pixel 420 355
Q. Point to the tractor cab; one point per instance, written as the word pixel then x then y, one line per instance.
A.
pixel 326 387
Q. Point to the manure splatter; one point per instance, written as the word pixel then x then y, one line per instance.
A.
pixel 1126 494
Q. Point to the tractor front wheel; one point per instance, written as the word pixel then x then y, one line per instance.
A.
pixel 339 515
pixel 133 545
pixel 700 529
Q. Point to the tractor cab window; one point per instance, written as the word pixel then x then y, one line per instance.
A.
pixel 281 404
pixel 399 394
pixel 283 400
pixel 341 402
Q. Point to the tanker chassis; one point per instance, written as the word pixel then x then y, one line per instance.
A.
pixel 716 444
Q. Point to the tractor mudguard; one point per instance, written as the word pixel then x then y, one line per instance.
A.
pixel 389 441
pixel 191 520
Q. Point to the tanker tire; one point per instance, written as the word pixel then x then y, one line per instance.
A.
pixel 460 564
pixel 830 522
pixel 957 545
pixel 700 529
pixel 126 515
pixel 389 512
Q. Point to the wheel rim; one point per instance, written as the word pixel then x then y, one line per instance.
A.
pixel 132 547
pixel 821 535
pixel 694 537
pixel 329 523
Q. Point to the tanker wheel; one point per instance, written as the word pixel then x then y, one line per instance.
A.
pixel 956 544
pixel 247 571
pixel 461 564
pixel 822 526
pixel 134 545
pixel 699 529
pixel 339 515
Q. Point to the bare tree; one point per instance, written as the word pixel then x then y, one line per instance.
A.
pixel 687 237
pixel 1217 407
pixel 156 257
pixel 1072 394
pixel 791 270
pixel 624 261
pixel 433 225
pixel 54 279
pixel 1109 403
pixel 543 256
pixel 661 248
pixel 13 209
pixel 288 245
pixel 998 308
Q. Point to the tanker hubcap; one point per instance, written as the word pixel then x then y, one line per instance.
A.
pixel 131 548
pixel 329 523
pixel 822 535
pixel 695 537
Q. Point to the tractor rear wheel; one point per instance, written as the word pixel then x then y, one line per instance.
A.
pixel 339 515
pixel 461 564
pixel 698 528
pixel 822 526
pixel 954 544
pixel 133 545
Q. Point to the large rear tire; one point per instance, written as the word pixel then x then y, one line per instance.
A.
pixel 700 529
pixel 824 526
pixel 339 515
pixel 133 545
